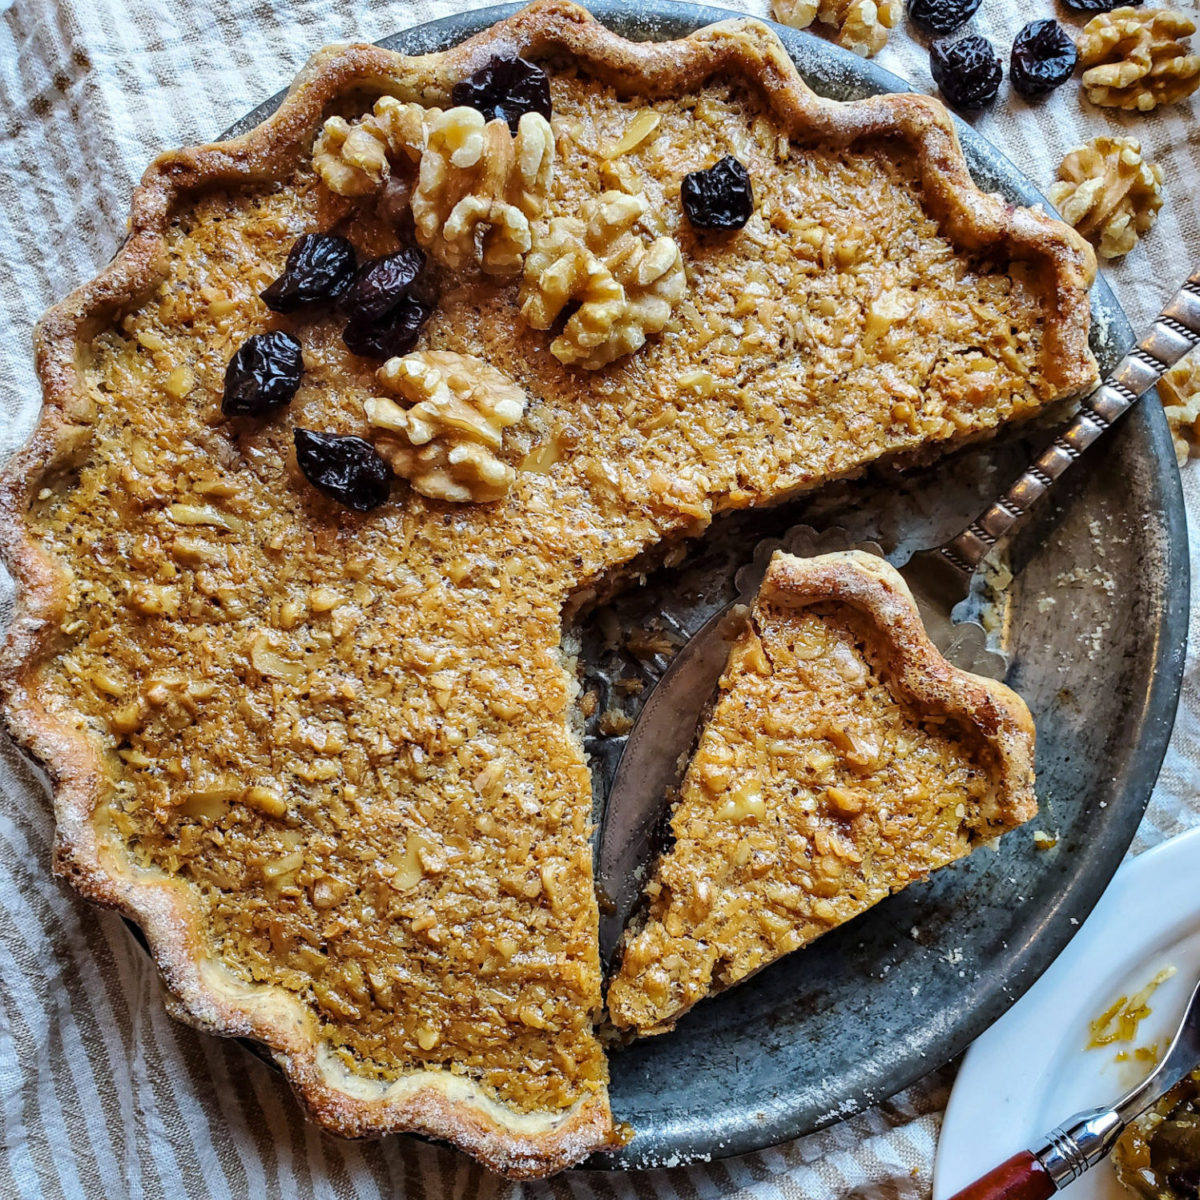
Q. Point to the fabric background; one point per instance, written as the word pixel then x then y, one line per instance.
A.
pixel 101 1094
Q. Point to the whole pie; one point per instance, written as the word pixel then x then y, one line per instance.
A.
pixel 369 400
pixel 844 758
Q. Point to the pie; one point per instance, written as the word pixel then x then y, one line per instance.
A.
pixel 844 758
pixel 1158 1155
pixel 329 760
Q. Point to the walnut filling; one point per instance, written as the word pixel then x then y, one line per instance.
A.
pixel 816 789
pixel 416 869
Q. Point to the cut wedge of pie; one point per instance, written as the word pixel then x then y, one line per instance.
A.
pixel 328 759
pixel 844 758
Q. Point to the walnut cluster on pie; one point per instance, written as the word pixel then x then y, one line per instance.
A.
pixel 325 753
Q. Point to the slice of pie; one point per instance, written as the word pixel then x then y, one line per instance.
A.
pixel 844 758
pixel 293 569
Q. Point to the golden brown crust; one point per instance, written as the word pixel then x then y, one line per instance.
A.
pixel 206 994
pixel 915 666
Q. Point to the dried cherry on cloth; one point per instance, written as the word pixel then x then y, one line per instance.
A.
pixel 942 16
pixel 319 267
pixel 506 88
pixel 387 304
pixel 263 374
pixel 1043 57
pixel 346 468
pixel 967 71
pixel 1099 6
pixel 721 197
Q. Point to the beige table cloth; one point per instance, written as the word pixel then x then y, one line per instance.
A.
pixel 101 1094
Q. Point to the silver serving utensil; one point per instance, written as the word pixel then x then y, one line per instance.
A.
pixel 941 579
pixel 1081 1142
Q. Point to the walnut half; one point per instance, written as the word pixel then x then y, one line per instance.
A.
pixel 625 283
pixel 445 444
pixel 478 185
pixel 862 25
pixel 1179 390
pixel 1109 192
pixel 1138 58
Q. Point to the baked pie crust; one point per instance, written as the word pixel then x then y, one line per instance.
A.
pixel 328 761
pixel 844 758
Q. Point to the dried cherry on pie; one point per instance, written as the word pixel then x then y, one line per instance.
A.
pixel 942 16
pixel 1043 57
pixel 967 71
pixel 346 468
pixel 505 88
pixel 388 302
pixel 263 374
pixel 320 266
pixel 721 197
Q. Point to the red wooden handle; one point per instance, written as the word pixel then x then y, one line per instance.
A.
pixel 1022 1177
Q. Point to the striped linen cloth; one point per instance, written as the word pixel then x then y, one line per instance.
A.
pixel 101 1094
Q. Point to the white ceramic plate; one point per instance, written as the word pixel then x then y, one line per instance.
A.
pixel 1032 1069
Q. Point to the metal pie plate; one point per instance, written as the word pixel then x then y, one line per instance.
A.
pixel 1095 623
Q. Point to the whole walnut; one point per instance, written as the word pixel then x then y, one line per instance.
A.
pixel 624 283
pixel 1109 192
pixel 1137 59
pixel 1179 391
pixel 862 25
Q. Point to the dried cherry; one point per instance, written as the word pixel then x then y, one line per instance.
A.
pixel 505 88
pixel 388 302
pixel 942 16
pixel 1098 6
pixel 346 468
pixel 394 333
pixel 967 71
pixel 721 197
pixel 1043 57
pixel 320 266
pixel 263 374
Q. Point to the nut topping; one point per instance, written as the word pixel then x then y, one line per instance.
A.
pixel 446 443
pixel 625 285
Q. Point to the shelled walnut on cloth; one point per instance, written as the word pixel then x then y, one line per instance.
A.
pixel 625 282
pixel 445 444
pixel 478 184
pixel 1109 192
pixel 1138 58
pixel 1179 391
pixel 862 25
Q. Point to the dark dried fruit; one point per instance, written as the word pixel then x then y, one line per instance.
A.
pixel 263 374
pixel 505 89
pixel 320 266
pixel 382 283
pixel 394 333
pixel 967 71
pixel 1043 57
pixel 942 16
pixel 387 304
pixel 347 469
pixel 720 198
pixel 1099 6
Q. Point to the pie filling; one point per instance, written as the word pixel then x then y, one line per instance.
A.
pixel 352 735
pixel 819 785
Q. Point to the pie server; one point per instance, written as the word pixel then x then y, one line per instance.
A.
pixel 1087 1137
pixel 941 579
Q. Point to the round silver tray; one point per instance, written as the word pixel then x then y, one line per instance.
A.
pixel 873 1006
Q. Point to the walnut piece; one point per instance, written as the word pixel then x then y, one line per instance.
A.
pixel 1179 391
pixel 1138 58
pixel 1109 192
pixel 478 185
pixel 355 158
pixel 862 25
pixel 445 444
pixel 625 284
